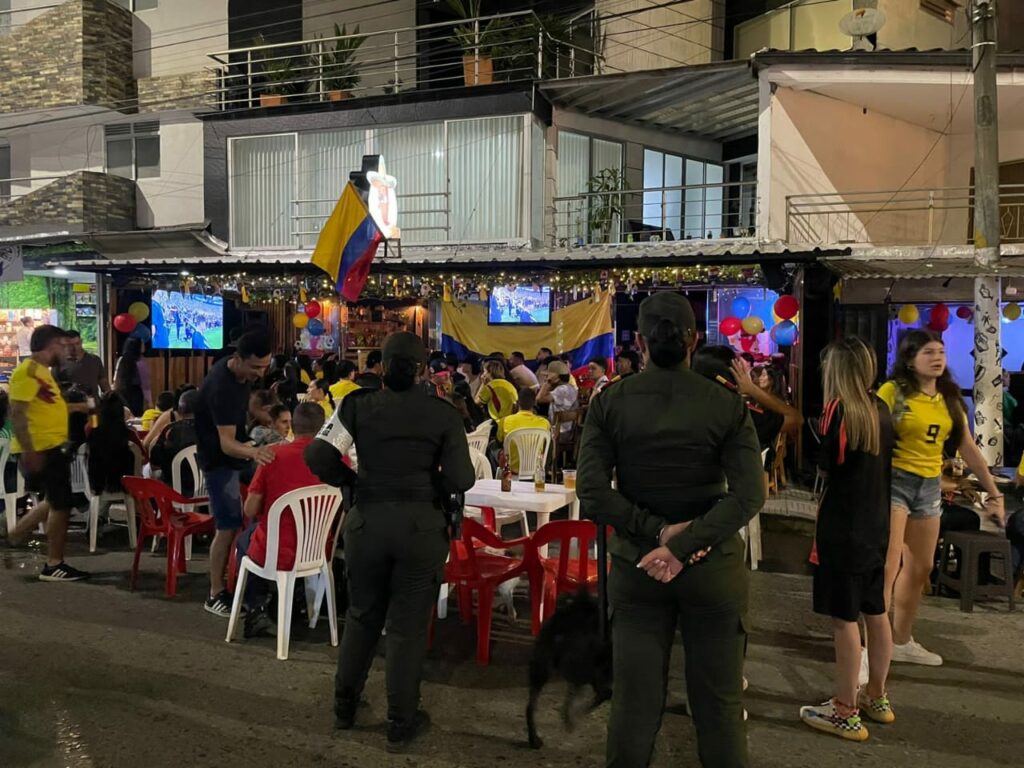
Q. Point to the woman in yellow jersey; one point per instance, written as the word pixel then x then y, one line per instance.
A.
pixel 928 413
pixel 496 393
pixel 319 393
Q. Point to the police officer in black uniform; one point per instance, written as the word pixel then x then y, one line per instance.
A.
pixel 689 476
pixel 412 454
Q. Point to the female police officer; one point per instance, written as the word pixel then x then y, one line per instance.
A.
pixel 412 453
pixel 689 476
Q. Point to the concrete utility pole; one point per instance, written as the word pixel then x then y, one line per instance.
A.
pixel 988 370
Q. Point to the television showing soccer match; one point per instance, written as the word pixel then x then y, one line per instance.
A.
pixel 520 305
pixel 187 320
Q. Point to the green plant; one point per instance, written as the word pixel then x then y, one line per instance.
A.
pixel 605 206
pixel 340 72
pixel 476 37
pixel 275 68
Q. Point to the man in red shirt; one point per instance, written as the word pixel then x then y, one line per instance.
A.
pixel 286 473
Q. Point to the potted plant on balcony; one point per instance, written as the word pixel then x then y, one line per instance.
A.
pixel 277 73
pixel 340 73
pixel 605 206
pixel 476 41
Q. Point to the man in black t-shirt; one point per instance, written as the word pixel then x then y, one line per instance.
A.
pixel 224 449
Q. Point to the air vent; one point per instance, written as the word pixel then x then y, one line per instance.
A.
pixel 944 10
pixel 118 130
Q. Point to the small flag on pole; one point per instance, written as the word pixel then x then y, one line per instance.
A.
pixel 347 244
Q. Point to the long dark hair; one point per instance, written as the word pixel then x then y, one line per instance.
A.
pixel 906 382
pixel 667 345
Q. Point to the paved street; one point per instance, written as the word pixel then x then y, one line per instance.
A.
pixel 93 676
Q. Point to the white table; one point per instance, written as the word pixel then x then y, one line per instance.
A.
pixel 488 493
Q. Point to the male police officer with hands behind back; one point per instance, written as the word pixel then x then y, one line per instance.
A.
pixel 688 468
pixel 412 455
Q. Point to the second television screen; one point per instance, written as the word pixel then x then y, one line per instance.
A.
pixel 187 320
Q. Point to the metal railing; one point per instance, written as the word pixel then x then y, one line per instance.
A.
pixel 657 214
pixel 511 47
pixel 939 216
pixel 422 216
pixel 18 187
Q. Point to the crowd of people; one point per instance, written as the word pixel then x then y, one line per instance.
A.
pixel 688 480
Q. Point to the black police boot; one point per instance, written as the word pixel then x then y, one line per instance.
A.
pixel 401 733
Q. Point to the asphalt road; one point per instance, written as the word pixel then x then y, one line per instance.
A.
pixel 92 675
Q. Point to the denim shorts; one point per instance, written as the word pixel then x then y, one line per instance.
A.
pixel 225 498
pixel 920 496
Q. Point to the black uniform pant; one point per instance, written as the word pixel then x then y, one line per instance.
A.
pixel 708 601
pixel 394 556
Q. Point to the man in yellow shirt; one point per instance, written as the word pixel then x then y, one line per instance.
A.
pixel 40 418
pixel 525 417
pixel 346 383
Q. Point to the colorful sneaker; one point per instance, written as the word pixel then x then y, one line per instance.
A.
pixel 826 718
pixel 913 652
pixel 879 710
pixel 62 572
pixel 219 604
pixel 864 675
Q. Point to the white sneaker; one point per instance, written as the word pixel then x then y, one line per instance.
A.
pixel 913 652
pixel 864 675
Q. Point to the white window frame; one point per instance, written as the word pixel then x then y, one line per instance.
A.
pixel 131 5
pixel 132 132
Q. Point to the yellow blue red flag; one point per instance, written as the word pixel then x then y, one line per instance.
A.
pixel 347 244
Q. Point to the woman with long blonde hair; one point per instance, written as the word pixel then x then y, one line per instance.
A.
pixel 852 538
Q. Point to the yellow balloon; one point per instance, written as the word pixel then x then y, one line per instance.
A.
pixel 139 310
pixel 300 320
pixel 753 325
pixel 909 314
pixel 1011 311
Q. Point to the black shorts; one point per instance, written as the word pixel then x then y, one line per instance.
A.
pixel 53 480
pixel 844 595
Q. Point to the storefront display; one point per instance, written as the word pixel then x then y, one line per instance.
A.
pixel 16 327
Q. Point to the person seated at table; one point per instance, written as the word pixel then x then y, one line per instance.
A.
pixel 496 393
pixel 178 436
pixel 286 473
pixel 525 417
pixel 346 382
pixel 318 392
pixel 167 417
pixel 597 370
pixel 164 402
pixel 260 403
pixel 110 458
pixel 279 430
pixel 558 392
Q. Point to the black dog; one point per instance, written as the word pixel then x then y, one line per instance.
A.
pixel 571 646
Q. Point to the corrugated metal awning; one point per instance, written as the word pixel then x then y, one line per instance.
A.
pixel 922 263
pixel 717 101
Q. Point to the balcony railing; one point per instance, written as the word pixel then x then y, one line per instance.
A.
pixel 941 216
pixel 426 218
pixel 512 47
pixel 657 214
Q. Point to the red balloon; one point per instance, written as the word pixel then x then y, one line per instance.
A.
pixel 125 323
pixel 746 342
pixel 787 307
pixel 312 308
pixel 730 326
pixel 939 319
pixel 964 313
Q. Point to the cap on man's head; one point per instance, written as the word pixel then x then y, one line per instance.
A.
pixel 404 344
pixel 44 335
pixel 667 306
pixel 559 368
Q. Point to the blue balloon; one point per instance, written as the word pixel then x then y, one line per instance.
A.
pixel 315 327
pixel 785 333
pixel 740 307
pixel 142 332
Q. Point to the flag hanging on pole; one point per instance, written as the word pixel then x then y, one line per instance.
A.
pixel 347 244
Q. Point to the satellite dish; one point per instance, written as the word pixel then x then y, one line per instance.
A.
pixel 861 23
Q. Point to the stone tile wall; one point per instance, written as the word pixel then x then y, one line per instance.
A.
pixel 77 53
pixel 84 201
pixel 193 90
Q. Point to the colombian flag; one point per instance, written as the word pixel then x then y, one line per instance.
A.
pixel 583 330
pixel 347 244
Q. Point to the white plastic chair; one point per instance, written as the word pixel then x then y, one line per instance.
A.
pixel 114 500
pixel 10 496
pixel 530 444
pixel 752 531
pixel 313 510
pixel 79 472
pixel 480 437
pixel 190 457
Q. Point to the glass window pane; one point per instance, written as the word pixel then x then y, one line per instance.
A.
pixel 573 174
pixel 145 5
pixel 119 158
pixel 654 176
pixel 674 197
pixel 713 174
pixel 147 157
pixel 485 161
pixel 325 160
pixel 414 155
pixel 693 222
pixel 5 172
pixel 262 188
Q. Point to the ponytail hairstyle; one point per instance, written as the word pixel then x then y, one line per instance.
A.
pixel 667 345
pixel 906 382
pixel 848 372
pixel 400 373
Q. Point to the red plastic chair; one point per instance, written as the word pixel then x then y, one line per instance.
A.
pixel 155 504
pixel 470 568
pixel 565 573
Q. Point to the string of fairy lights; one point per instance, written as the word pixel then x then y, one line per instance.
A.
pixel 567 284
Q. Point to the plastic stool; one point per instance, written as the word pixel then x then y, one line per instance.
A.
pixel 972 546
